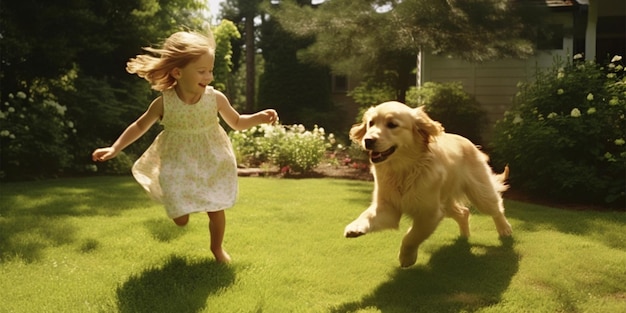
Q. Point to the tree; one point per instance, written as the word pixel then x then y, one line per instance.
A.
pixel 244 12
pixel 300 91
pixel 67 58
pixel 371 37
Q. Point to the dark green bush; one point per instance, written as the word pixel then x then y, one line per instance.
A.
pixel 564 136
pixel 455 109
pixel 34 133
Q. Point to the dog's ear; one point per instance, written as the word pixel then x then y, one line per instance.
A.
pixel 425 126
pixel 357 132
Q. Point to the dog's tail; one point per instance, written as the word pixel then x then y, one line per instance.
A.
pixel 501 178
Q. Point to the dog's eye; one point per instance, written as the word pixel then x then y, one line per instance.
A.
pixel 370 124
pixel 391 125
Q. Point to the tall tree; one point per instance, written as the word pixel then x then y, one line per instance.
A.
pixel 374 36
pixel 300 91
pixel 244 13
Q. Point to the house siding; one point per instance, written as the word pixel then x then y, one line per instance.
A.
pixel 494 84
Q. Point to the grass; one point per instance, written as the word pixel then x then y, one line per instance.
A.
pixel 100 245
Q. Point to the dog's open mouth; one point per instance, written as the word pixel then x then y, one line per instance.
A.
pixel 377 157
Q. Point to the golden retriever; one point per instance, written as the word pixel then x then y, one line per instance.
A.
pixel 424 173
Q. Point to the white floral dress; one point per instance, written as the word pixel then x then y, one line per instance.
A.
pixel 190 166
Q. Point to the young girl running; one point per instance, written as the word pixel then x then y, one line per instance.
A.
pixel 190 167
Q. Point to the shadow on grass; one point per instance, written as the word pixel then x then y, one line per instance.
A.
pixel 179 285
pixel 458 277
pixel 35 215
pixel 590 224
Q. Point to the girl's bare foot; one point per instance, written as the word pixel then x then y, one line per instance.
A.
pixel 221 256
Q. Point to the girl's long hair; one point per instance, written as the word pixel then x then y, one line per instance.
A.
pixel 178 50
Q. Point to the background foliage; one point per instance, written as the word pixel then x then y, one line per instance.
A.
pixel 565 136
pixel 454 108
pixel 291 148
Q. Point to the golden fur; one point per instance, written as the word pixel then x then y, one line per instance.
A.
pixel 424 173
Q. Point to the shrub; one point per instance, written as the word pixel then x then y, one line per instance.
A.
pixel 33 136
pixel 564 136
pixel 455 109
pixel 291 148
pixel 370 93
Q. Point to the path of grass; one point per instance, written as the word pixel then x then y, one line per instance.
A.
pixel 99 245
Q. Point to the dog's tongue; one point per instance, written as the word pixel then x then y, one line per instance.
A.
pixel 375 156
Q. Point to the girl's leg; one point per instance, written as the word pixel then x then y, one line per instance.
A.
pixel 182 220
pixel 217 226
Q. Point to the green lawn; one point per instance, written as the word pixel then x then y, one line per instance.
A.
pixel 100 245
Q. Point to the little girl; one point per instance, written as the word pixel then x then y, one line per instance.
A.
pixel 190 166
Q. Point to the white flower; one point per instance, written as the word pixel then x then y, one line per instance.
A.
pixel 11 109
pixel 575 112
pixel 552 115
pixel 619 142
pixel 578 56
pixel 616 58
pixel 21 95
pixel 4 133
pixel 518 119
pixel 560 75
pixel 591 110
pixel 560 91
pixel 590 96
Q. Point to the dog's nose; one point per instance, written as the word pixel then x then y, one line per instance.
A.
pixel 369 143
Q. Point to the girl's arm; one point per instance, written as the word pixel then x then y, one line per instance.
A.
pixel 132 132
pixel 244 121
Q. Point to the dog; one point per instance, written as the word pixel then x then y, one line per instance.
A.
pixel 424 173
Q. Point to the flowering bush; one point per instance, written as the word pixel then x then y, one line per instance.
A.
pixel 291 148
pixel 33 136
pixel 564 137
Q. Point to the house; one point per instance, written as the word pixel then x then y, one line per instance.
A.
pixel 594 28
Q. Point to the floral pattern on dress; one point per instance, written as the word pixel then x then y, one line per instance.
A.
pixel 190 167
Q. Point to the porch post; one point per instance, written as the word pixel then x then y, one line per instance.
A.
pixel 590 35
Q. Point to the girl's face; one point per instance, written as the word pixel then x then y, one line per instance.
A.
pixel 196 75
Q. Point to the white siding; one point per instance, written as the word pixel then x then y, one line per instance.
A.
pixel 494 84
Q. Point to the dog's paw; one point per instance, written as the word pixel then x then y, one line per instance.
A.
pixel 355 230
pixel 503 227
pixel 407 258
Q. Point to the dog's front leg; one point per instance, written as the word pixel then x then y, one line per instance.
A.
pixel 376 217
pixel 423 226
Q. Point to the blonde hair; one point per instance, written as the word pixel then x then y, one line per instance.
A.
pixel 178 50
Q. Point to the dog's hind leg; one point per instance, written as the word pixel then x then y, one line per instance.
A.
pixel 490 202
pixel 461 215
pixel 423 226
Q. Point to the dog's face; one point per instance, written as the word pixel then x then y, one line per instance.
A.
pixel 392 127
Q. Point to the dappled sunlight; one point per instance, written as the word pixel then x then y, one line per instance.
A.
pixel 38 215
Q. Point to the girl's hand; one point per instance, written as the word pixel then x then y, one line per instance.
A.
pixel 103 154
pixel 270 116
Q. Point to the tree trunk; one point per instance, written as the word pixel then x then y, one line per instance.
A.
pixel 250 63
